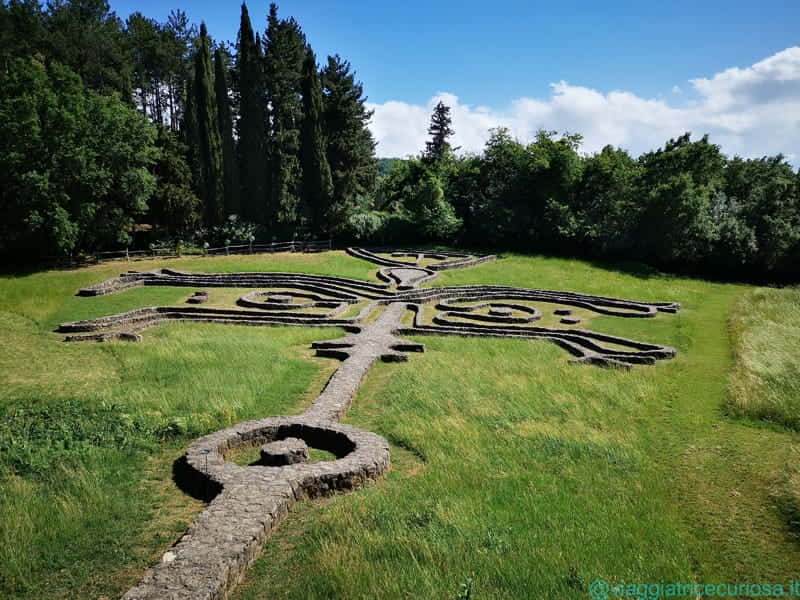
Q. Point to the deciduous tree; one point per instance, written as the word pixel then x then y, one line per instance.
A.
pixel 74 165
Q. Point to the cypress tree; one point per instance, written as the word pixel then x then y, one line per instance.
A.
pixel 225 124
pixel 284 53
pixel 189 131
pixel 211 183
pixel 350 145
pixel 317 185
pixel 251 149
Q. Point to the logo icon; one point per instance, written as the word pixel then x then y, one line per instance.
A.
pixel 598 589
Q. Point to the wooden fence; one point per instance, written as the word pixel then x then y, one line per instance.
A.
pixel 172 251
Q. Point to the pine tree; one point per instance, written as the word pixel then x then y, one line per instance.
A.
pixel 438 147
pixel 88 37
pixel 177 34
pixel 251 130
pixel 225 123
pixel 283 58
pixel 350 145
pixel 317 184
pixel 210 187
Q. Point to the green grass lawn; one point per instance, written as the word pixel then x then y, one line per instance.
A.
pixel 515 474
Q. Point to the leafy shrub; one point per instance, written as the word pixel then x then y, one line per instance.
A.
pixel 364 226
pixel 234 231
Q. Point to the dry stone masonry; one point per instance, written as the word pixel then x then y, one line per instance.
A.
pixel 208 561
pixel 199 297
pixel 288 451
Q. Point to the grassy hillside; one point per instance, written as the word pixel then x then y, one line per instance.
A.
pixel 514 474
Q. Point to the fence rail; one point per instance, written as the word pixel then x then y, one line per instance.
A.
pixel 294 246
pixel 172 252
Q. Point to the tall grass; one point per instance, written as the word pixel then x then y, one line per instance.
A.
pixel 765 327
pixel 765 383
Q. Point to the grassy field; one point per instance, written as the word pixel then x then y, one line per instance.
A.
pixel 515 475
pixel 89 432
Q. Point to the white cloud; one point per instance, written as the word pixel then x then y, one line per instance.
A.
pixel 751 111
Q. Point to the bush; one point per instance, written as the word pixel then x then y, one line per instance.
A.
pixel 364 226
pixel 233 232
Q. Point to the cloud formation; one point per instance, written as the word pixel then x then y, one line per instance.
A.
pixel 753 111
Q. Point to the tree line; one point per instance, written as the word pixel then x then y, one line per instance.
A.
pixel 113 131
pixel 116 133
pixel 685 206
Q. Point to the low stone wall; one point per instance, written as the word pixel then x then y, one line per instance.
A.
pixel 227 536
pixel 448 260
pixel 582 344
pixel 338 287
pixel 499 312
pixel 222 542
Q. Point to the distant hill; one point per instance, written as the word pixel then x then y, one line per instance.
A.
pixel 386 165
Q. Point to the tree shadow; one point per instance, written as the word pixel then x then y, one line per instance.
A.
pixel 23 269
pixel 636 269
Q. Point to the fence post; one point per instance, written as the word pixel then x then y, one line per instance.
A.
pixel 127 255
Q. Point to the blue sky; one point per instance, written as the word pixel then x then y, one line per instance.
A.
pixel 487 56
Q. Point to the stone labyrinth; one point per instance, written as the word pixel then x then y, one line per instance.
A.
pixel 227 536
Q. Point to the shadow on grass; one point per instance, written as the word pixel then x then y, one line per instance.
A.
pixel 632 268
pixel 787 502
pixel 24 269
pixel 637 268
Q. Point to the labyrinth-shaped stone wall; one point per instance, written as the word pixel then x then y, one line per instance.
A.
pixel 217 549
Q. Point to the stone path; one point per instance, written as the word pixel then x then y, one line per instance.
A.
pixel 208 561
pixel 213 555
